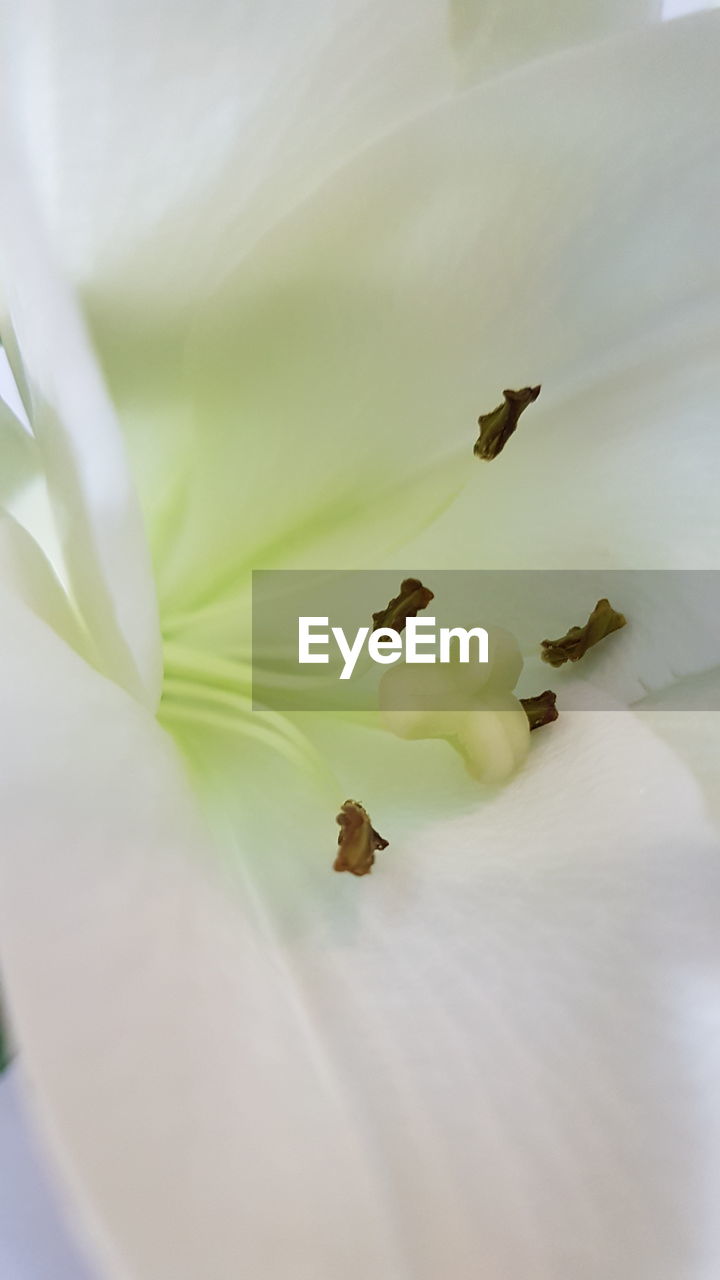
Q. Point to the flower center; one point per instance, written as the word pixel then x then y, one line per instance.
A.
pixel 204 691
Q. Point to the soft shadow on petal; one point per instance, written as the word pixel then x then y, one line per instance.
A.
pixel 25 571
pixel 35 1221
pixel 18 454
pixel 493 34
pixel 492 1053
pixel 687 716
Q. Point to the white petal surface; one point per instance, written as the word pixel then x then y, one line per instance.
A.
pixel 616 473
pixel 687 716
pixel 494 1056
pixel 82 453
pixel 133 110
pixel 550 227
pixel 269 96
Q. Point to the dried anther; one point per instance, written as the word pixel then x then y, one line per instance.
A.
pixel 413 597
pixel 497 427
pixel 358 841
pixel 570 648
pixel 541 709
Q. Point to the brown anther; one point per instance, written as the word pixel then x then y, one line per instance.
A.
pixel 541 709
pixel 358 841
pixel 497 426
pixel 413 597
pixel 571 647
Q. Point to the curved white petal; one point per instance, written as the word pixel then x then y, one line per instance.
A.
pixel 550 227
pixel 133 112
pixel 25 571
pixel 13 387
pixel 266 96
pixel 492 1055
pixel 19 461
pixel 81 450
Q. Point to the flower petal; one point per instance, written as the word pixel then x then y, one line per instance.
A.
pixel 493 1051
pixel 615 473
pixel 35 1240
pixel 18 454
pixel 26 571
pixel 270 99
pixel 687 717
pixel 549 227
pixel 132 110
pixel 80 446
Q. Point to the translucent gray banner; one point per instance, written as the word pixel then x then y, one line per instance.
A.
pixel 671 638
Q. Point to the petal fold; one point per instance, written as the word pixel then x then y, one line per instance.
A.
pixel 19 461
pixel 81 449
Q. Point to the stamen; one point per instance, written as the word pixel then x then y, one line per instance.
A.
pixel 575 643
pixel 179 716
pixel 223 673
pixel 358 841
pixel 413 597
pixel 206 692
pixel 541 709
pixel 497 426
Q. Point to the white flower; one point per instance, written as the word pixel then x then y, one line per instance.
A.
pixel 308 260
